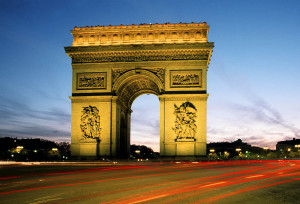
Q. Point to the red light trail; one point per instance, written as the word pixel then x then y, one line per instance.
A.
pixel 159 182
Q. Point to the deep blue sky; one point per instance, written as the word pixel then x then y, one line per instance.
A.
pixel 253 77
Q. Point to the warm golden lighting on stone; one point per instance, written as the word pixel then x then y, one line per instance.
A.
pixel 140 34
pixel 113 65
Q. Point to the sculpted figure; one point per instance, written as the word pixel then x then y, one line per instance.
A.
pixel 90 122
pixel 185 122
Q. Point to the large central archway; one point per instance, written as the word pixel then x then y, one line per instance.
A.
pixel 114 65
pixel 144 128
pixel 128 87
pixel 136 82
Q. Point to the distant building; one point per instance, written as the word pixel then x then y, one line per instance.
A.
pixel 288 145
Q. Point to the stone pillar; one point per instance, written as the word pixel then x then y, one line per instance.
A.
pixel 183 125
pixel 86 125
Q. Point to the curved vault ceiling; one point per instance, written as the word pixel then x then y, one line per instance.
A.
pixel 127 92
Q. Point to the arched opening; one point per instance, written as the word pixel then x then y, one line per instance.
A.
pixel 145 126
pixel 139 112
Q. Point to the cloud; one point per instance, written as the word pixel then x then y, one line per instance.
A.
pixel 18 119
pixel 259 111
pixel 245 114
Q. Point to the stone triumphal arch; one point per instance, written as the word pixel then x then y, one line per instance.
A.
pixel 113 65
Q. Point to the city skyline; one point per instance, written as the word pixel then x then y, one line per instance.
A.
pixel 252 78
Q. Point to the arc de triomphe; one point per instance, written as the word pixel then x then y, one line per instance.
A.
pixel 113 65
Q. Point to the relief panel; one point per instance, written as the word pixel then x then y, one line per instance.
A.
pixel 90 123
pixel 92 80
pixel 192 78
pixel 185 122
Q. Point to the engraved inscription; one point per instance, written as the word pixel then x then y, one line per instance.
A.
pixel 186 78
pixel 91 80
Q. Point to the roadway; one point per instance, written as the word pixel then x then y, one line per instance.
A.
pixel 262 181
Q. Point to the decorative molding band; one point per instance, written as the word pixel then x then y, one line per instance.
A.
pixel 140 34
pixel 95 94
pixel 185 92
pixel 138 56
pixel 178 97
pixel 76 99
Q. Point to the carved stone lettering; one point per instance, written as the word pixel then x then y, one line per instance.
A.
pixel 90 123
pixel 185 122
pixel 91 80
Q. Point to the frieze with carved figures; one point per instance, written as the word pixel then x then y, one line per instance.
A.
pixel 186 78
pixel 91 80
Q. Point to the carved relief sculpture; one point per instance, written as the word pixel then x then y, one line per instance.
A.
pixel 186 78
pixel 185 122
pixel 90 123
pixel 159 72
pixel 91 80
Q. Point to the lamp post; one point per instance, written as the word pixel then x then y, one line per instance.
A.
pixel 266 148
pixel 239 151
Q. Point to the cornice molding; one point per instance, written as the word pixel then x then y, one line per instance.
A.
pixel 177 97
pixel 138 56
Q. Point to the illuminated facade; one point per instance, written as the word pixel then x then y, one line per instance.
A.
pixel 113 65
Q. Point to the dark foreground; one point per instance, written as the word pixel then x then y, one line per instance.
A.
pixel 192 182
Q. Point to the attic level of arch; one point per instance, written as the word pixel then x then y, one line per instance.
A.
pixel 139 38
pixel 160 34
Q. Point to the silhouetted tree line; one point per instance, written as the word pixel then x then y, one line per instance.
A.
pixel 142 152
pixel 33 150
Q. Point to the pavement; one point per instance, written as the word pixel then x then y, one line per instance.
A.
pixel 255 181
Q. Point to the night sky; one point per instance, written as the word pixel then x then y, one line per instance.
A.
pixel 253 77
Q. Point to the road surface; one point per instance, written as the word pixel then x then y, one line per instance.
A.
pixel 274 181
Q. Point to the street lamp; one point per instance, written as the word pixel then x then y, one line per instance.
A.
pixel 266 148
pixel 19 148
pixel 297 146
pixel 239 151
pixel 212 150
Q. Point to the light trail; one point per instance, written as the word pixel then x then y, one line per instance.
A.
pixel 211 177
pixel 225 182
